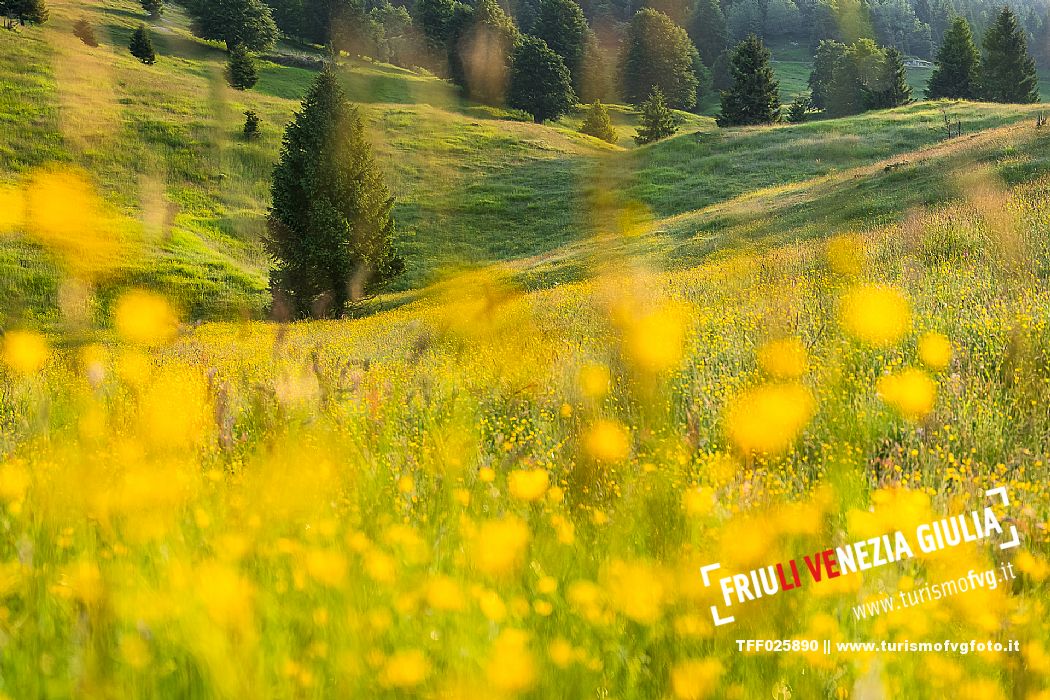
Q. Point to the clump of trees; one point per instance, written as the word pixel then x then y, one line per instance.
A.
pixel 659 54
pixel 155 8
pixel 24 12
pixel 754 96
pixel 141 46
pixel 598 124
pixel 849 79
pixel 248 23
pixel 330 228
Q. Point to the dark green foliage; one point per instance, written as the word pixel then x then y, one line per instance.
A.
pixel 330 229
pixel 798 109
pixel 1007 69
pixel 240 68
pixel 828 54
pixel 658 53
pixel 891 87
pixel 83 30
pixel 598 124
pixel 247 22
pixel 540 83
pixel 707 29
pixel 251 125
pixel 433 20
pixel 657 120
pixel 481 44
pixel 754 97
pixel 141 46
pixel 289 16
pixel 595 81
pixel 155 8
pixel 958 65
pixel 25 11
pixel 562 25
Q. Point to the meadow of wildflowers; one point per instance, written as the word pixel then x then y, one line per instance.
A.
pixel 490 493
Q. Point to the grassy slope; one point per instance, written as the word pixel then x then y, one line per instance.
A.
pixel 474 184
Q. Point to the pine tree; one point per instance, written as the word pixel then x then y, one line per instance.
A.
pixel 598 124
pixel 824 62
pixel 155 8
pixel 251 125
pixel 241 72
pixel 754 97
pixel 142 47
pixel 707 29
pixel 891 89
pixel 247 22
pixel 1007 69
pixel 482 41
pixel 657 120
pixel 562 25
pixel 540 83
pixel 798 109
pixel 658 53
pixel 958 65
pixel 83 30
pixel 330 228
pixel 25 11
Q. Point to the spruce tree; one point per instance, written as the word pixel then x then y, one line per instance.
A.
pixel 247 22
pixel 155 8
pixel 562 25
pixel 827 56
pixel 251 125
pixel 754 97
pixel 891 88
pixel 598 124
pixel 707 29
pixel 83 30
pixel 142 47
pixel 482 41
pixel 241 72
pixel 958 65
pixel 540 83
pixel 25 11
pixel 657 120
pixel 658 53
pixel 330 228
pixel 1007 69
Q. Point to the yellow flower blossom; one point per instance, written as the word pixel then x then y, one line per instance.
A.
pixel 768 418
pixel 911 392
pixel 876 314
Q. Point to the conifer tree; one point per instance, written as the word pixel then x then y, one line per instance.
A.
pixel 561 24
pixel 481 42
pixel 25 11
pixel 707 29
pixel 241 72
pixel 251 125
pixel 540 83
pixel 142 47
pixel 754 97
pixel 657 120
pixel 891 87
pixel 248 22
pixel 658 53
pixel 958 65
pixel 598 124
pixel 827 56
pixel 155 8
pixel 1007 69
pixel 330 228
pixel 83 30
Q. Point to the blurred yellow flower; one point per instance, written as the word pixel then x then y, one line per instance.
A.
pixel 656 341
pixel 636 589
pixel 695 679
pixel 407 668
pixel 608 441
pixel 528 484
pixel 911 392
pixel 846 254
pixel 12 209
pixel 500 545
pixel 145 318
pixel 595 380
pixel 768 418
pixel 511 667
pixel 25 352
pixel 698 501
pixel 443 593
pixel 561 652
pixel 876 314
pixel 785 358
pixel 935 350
pixel 326 566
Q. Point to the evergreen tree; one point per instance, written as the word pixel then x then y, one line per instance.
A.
pixel 85 32
pixel 247 22
pixel 562 25
pixel 958 65
pixel 598 124
pixel 142 47
pixel 289 16
pixel 827 57
pixel 330 229
pixel 658 53
pixel 155 8
pixel 754 97
pixel 798 109
pixel 1007 69
pixel 251 125
pixel 433 20
pixel 707 29
pixel 240 68
pixel 25 11
pixel 891 89
pixel 482 41
pixel 540 83
pixel 657 120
